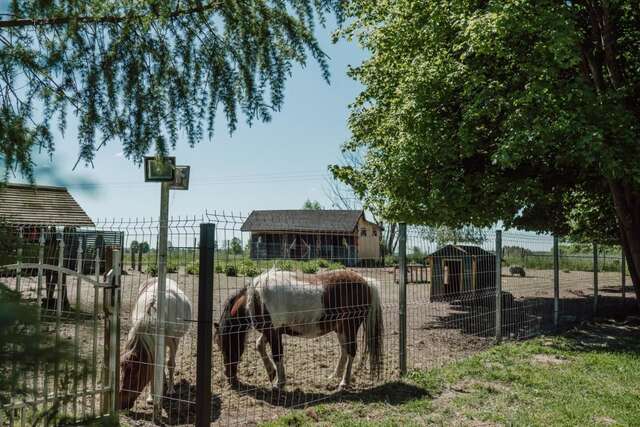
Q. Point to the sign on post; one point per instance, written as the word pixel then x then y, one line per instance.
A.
pixel 159 169
pixel 171 177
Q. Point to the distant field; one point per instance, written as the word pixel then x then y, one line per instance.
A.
pixel 587 377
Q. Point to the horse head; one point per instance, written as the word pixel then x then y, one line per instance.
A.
pixel 231 333
pixel 136 370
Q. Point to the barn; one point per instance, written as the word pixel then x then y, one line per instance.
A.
pixel 340 235
pixel 457 270
pixel 30 212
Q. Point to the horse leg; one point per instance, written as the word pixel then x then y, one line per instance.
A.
pixel 261 347
pixel 277 353
pixel 173 348
pixel 150 390
pixel 337 373
pixel 351 337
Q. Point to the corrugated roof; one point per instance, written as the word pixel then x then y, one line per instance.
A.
pixel 452 250
pixel 328 221
pixel 29 204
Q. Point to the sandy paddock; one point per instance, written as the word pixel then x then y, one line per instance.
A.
pixel 438 332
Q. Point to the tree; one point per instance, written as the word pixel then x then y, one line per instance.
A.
pixel 143 72
pixel 235 246
pixel 445 235
pixel 343 197
pixel 145 247
pixel 311 205
pixel 134 251
pixel 481 111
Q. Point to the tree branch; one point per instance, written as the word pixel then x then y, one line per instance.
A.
pixel 109 19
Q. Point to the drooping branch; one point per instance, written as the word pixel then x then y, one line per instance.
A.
pixel 107 19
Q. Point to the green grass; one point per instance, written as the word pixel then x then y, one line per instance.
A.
pixel 567 262
pixel 588 377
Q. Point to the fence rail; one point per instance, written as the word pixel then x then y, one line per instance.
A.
pixel 439 300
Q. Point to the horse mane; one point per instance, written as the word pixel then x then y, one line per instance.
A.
pixel 140 343
pixel 229 306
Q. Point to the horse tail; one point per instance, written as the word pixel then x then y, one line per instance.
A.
pixel 374 333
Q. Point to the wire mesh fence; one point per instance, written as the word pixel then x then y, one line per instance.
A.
pixel 55 340
pixel 285 337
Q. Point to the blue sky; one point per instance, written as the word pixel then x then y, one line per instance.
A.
pixel 276 165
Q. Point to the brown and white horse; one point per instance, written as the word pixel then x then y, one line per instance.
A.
pixel 138 359
pixel 306 306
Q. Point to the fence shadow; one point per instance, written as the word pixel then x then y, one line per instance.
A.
pixel 393 393
pixel 180 407
pixel 606 335
pixel 525 317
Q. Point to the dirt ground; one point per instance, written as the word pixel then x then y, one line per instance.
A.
pixel 437 332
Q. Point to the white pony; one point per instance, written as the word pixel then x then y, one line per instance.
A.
pixel 138 359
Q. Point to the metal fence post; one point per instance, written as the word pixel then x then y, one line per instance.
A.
pixel 556 283
pixel 623 276
pixel 498 286
pixel 114 355
pixel 19 259
pixel 158 371
pixel 402 300
pixel 205 325
pixel 595 278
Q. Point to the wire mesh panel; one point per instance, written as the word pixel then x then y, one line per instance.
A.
pixel 308 306
pixel 450 296
pixel 56 365
pixel 527 283
pixel 139 288
pixel 287 311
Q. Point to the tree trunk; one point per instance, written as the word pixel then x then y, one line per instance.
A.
pixel 627 205
pixel 392 238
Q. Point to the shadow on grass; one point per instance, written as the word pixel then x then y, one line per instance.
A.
pixel 606 335
pixel 393 393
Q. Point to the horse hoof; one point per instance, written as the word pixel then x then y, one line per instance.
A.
pixel 343 387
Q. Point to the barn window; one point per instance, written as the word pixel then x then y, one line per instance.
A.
pixel 363 232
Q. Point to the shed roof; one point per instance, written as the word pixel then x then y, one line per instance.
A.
pixel 461 250
pixel 328 221
pixel 30 204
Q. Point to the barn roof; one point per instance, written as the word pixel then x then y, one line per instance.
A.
pixel 40 205
pixel 461 250
pixel 328 221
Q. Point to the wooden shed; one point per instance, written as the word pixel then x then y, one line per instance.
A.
pixel 52 213
pixel 460 269
pixel 340 235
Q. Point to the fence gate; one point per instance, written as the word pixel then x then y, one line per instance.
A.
pixel 80 314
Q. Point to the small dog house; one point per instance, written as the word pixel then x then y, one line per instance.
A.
pixel 456 270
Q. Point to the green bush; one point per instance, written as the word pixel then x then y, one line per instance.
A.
pixel 323 263
pixel 194 268
pixel 249 269
pixel 309 267
pixel 335 266
pixel 285 265
pixel 390 261
pixel 172 267
pixel 230 270
pixel 152 270
pixel 219 268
